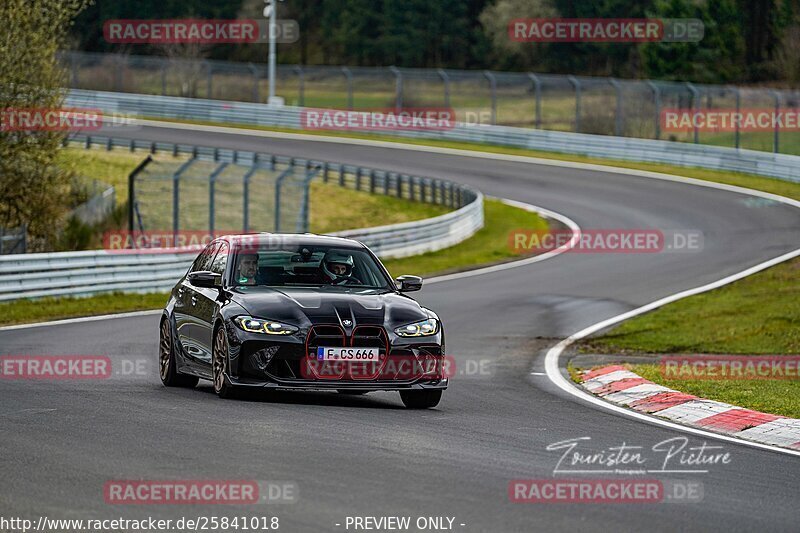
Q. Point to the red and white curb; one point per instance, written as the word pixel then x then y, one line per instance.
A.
pixel 618 385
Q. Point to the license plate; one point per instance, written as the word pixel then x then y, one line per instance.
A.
pixel 354 355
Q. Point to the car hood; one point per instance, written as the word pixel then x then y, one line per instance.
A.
pixel 329 305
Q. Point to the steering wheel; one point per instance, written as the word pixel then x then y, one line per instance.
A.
pixel 344 280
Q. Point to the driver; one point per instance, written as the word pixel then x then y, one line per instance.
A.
pixel 338 267
pixel 247 269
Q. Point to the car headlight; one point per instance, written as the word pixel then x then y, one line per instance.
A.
pixel 260 325
pixel 419 329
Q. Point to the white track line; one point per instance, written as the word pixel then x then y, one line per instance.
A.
pixel 81 319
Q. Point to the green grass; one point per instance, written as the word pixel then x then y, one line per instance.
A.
pixel 780 397
pixel 757 315
pixel 489 245
pixel 334 208
pixel 26 311
pixel 111 167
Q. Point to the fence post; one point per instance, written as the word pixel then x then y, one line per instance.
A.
pixel 164 78
pixel 73 70
pixel 2 240
pixel 349 77
pixel 537 86
pixel 117 72
pixel 776 138
pixel 24 238
pixel 493 93
pixel 254 71
pixel 446 82
pixel 577 85
pixel 398 88
pixel 657 99
pixel 398 185
pixel 696 107
pixel 209 79
pixel 246 196
pixel 738 111
pixel 301 85
pixel 618 118
pixel 278 183
pixel 212 182
pixel 132 191
pixel 176 195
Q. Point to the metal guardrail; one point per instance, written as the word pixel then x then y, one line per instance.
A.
pixel 579 104
pixel 103 271
pixel 602 146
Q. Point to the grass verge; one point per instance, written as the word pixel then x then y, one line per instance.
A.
pixel 489 245
pixel 333 208
pixel 756 315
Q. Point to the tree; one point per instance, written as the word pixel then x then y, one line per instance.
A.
pixel 32 186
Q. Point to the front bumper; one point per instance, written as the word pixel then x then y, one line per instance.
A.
pixel 288 362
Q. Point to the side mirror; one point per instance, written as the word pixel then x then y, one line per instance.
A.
pixel 408 283
pixel 205 279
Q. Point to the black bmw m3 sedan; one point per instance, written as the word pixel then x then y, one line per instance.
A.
pixel 300 312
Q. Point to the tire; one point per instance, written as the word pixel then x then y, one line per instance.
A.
pixel 169 374
pixel 219 364
pixel 353 392
pixel 420 399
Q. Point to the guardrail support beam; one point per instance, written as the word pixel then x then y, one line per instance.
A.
pixel 576 84
pixel 132 191
pixel 537 87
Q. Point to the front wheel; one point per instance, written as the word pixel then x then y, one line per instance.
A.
pixel 219 363
pixel 420 399
pixel 170 376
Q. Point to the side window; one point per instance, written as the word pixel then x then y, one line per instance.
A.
pixel 218 265
pixel 203 261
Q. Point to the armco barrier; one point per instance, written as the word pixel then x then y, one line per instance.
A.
pixel 103 271
pixel 602 146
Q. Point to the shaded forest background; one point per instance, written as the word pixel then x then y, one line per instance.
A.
pixel 746 41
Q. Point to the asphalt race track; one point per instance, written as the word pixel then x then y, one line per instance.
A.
pixel 367 456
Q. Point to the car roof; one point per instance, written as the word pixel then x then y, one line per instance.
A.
pixel 291 239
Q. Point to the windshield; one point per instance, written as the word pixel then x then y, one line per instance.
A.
pixel 307 266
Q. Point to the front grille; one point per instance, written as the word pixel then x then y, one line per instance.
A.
pixel 335 336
